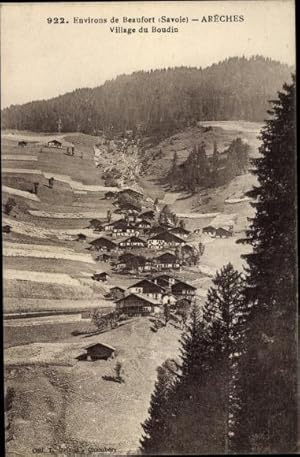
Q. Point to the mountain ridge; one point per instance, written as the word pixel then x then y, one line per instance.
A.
pixel 159 101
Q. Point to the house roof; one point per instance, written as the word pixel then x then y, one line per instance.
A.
pixel 143 222
pixel 149 213
pixel 122 225
pixel 55 141
pixel 167 236
pixel 117 288
pixel 142 298
pixel 180 285
pixel 103 273
pixel 133 239
pixel 103 242
pixel 165 277
pixel 148 286
pixel 100 344
pixel 167 257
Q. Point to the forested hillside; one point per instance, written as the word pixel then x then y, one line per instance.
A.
pixel 159 101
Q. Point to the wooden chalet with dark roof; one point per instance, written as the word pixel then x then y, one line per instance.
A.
pixel 148 288
pixel 209 230
pixel 137 305
pixel 103 244
pixel 103 277
pixel 180 231
pixel 148 215
pixel 222 232
pixel 183 290
pixel 167 261
pixel 165 240
pixel 143 224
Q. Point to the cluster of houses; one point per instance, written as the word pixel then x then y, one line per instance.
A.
pixel 149 295
pixel 139 232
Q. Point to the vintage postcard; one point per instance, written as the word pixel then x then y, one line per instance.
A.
pixel 149 227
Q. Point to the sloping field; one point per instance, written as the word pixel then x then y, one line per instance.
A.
pixel 46 252
pixel 19 157
pixel 95 411
pixel 13 305
pixel 20 193
pixel 45 290
pixel 33 230
pixel 21 171
pixel 37 276
pixel 74 215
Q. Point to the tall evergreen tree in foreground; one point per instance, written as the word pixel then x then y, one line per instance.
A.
pixel 268 416
pixel 197 414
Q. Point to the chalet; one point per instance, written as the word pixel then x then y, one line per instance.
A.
pixel 109 227
pixel 148 215
pixel 133 263
pixel 103 244
pixel 133 242
pixel 132 193
pixel 209 230
pixel 103 258
pixel 81 237
pixel 167 261
pixel 110 195
pixel 22 143
pixel 96 225
pixel 97 351
pixel 148 288
pixel 143 224
pixel 180 231
pixel 162 280
pixel 116 293
pixel 156 230
pixel 129 208
pixel 54 144
pixel 165 240
pixel 183 290
pixel 137 305
pixel 6 228
pixel 223 233
pixel 100 277
pixel 122 228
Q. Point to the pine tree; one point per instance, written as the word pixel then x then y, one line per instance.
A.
pixel 225 314
pixel 214 178
pixel 156 428
pixel 173 176
pixel 268 417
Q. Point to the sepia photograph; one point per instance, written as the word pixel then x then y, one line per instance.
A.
pixel 149 206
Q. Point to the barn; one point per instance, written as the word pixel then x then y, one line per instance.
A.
pixel 22 143
pixel 209 230
pixel 103 244
pixel 103 277
pixel 223 233
pixel 97 351
pixel 54 144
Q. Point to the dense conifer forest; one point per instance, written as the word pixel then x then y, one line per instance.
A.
pixel 159 102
